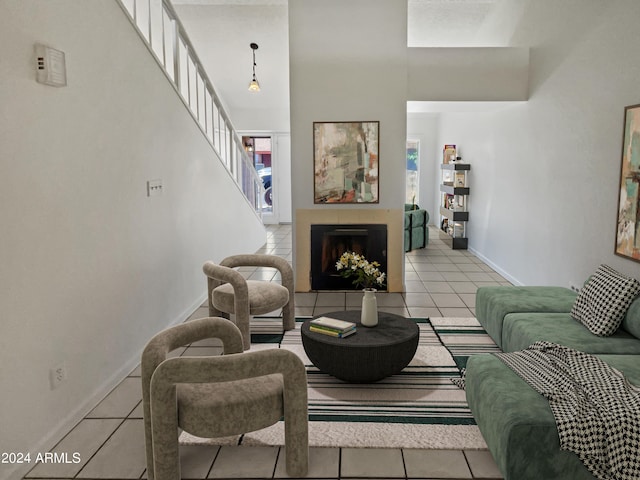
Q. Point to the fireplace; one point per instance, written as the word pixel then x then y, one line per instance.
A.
pixel 329 242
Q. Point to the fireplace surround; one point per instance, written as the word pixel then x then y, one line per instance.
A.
pixel 393 219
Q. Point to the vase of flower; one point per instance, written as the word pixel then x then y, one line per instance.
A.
pixel 365 274
pixel 369 314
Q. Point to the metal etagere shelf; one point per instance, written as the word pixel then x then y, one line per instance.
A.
pixel 453 205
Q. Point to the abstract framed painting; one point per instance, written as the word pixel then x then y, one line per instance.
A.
pixel 345 162
pixel 628 227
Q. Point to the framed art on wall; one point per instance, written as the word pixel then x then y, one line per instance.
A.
pixel 345 162
pixel 628 231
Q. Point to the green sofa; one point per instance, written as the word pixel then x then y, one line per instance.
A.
pixel 516 421
pixel 416 232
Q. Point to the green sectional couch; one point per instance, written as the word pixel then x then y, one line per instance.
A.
pixel 517 422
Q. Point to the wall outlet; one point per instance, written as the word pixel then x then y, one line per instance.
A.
pixel 58 375
pixel 574 287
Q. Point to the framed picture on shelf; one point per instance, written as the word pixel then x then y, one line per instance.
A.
pixel 345 162
pixel 628 225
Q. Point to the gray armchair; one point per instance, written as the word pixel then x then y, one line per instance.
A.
pixel 220 395
pixel 229 292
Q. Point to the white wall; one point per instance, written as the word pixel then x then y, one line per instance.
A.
pixel 545 174
pixel 261 120
pixel 91 267
pixel 460 74
pixel 348 63
pixel 283 158
pixel 355 73
pixel 221 33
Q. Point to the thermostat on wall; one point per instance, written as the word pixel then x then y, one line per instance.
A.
pixel 50 66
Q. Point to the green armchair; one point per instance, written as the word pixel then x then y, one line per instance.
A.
pixel 416 232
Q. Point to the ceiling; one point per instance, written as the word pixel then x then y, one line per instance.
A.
pixel 221 31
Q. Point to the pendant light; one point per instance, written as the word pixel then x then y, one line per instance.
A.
pixel 254 86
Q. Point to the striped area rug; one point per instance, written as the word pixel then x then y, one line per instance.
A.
pixel 418 408
pixel 463 337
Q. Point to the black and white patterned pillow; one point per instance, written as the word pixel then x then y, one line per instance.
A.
pixel 603 301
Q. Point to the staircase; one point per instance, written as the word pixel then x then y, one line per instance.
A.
pixel 159 26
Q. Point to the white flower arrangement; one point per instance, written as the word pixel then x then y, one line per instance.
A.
pixel 366 273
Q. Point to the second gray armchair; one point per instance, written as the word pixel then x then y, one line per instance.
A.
pixel 230 293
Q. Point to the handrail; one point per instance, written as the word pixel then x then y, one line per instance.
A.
pixel 157 23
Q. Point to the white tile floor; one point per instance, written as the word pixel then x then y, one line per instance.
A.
pixel 439 282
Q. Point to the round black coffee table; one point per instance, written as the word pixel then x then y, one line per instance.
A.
pixel 368 355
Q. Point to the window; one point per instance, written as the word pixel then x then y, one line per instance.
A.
pixel 413 175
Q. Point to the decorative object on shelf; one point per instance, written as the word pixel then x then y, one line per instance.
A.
pixel 628 231
pixel 448 154
pixel 369 315
pixel 345 156
pixel 254 86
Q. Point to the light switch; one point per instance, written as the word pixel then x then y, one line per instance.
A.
pixel 154 187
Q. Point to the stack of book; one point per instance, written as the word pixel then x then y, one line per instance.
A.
pixel 332 327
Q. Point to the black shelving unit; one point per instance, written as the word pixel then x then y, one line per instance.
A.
pixel 453 205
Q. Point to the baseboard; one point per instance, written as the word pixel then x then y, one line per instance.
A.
pixel 498 269
pixel 72 419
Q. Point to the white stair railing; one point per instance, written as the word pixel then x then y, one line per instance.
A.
pixel 159 26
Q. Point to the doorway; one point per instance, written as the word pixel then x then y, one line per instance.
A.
pixel 260 150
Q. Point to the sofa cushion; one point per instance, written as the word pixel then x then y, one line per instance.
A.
pixel 419 238
pixel 627 364
pixel 416 233
pixel 631 321
pixel 417 218
pixel 517 424
pixel 407 221
pixel 493 303
pixel 264 297
pixel 603 302
pixel 523 329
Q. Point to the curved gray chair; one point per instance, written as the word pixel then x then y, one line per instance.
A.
pixel 219 396
pixel 229 292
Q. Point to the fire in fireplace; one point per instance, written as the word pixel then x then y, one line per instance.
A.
pixel 329 242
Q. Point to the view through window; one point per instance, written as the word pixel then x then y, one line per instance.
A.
pixel 413 176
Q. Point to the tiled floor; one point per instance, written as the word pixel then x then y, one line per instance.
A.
pixel 439 282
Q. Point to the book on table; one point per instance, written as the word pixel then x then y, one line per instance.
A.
pixel 332 326
pixel 332 333
pixel 333 323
